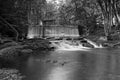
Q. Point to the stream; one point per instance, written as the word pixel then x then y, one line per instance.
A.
pixel 92 64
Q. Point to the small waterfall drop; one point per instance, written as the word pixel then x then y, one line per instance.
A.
pixel 94 44
pixel 68 45
pixel 73 45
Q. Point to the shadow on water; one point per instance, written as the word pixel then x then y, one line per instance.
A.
pixel 12 61
pixel 97 64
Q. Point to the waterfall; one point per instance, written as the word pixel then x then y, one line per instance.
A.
pixel 73 45
pixel 68 45
pixel 94 44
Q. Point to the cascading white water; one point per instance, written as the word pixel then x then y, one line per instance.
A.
pixel 94 44
pixel 69 45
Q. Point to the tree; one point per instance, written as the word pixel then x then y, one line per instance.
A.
pixel 6 12
pixel 86 13
pixel 110 14
pixel 89 12
pixel 19 14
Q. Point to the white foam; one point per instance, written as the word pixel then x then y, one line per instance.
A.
pixel 72 46
pixel 94 44
pixel 67 45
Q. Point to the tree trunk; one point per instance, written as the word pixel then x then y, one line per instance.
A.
pixel 17 34
pixel 107 26
pixel 109 11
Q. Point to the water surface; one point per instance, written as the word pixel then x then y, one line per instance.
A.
pixel 96 64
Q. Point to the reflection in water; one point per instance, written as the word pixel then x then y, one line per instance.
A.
pixel 30 62
pixel 93 65
pixel 58 73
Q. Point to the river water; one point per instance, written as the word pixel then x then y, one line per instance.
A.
pixel 95 64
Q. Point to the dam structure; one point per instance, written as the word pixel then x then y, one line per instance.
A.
pixel 53 31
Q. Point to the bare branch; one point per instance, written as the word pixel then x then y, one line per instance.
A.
pixel 10 26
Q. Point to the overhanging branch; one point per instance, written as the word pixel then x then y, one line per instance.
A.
pixel 10 26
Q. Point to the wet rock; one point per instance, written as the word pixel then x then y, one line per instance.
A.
pixel 27 51
pixel 52 48
pixel 83 41
pixel 48 61
pixel 88 45
pixel 107 45
pixel 55 61
pixel 37 44
pixel 103 38
pixel 62 64
pixel 8 44
pixel 10 74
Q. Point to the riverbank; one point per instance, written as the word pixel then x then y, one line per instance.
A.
pixel 114 43
pixel 11 52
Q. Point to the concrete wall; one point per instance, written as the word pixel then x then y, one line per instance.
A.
pixel 53 31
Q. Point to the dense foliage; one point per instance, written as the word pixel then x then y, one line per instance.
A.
pixel 17 15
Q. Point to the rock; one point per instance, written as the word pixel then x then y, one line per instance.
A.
pixel 107 45
pixel 83 41
pixel 10 53
pixel 55 61
pixel 38 45
pixel 47 61
pixel 27 51
pixel 63 63
pixel 4 45
pixel 88 45
pixel 103 38
pixel 10 74
pixel 118 46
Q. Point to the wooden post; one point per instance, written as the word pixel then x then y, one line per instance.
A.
pixel 43 28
